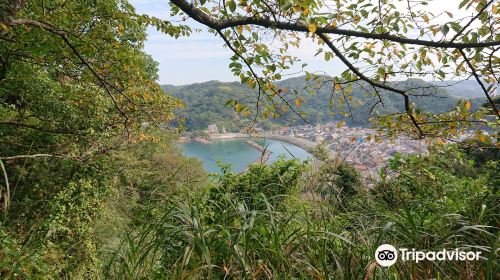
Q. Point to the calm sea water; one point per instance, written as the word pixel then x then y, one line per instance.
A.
pixel 239 154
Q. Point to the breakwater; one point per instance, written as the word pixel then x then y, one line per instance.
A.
pixel 202 140
pixel 258 147
pixel 255 145
pixel 240 153
pixel 300 142
pixel 229 136
pixel 303 143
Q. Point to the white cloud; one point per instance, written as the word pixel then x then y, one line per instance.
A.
pixel 202 57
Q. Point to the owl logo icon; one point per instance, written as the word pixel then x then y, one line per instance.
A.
pixel 386 255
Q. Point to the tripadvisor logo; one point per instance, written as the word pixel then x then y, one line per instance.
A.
pixel 387 255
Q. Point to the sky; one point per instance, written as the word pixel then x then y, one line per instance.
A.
pixel 202 57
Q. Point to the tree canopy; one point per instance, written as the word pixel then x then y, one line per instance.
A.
pixel 207 103
pixel 380 43
pixel 90 72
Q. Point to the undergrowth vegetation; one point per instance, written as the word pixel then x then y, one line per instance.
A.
pixel 222 232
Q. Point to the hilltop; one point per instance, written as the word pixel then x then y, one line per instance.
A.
pixel 206 102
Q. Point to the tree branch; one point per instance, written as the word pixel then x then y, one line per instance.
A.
pixel 471 20
pixel 64 36
pixel 220 24
pixel 58 131
pixel 408 108
pixel 478 79
pixel 27 156
pixel 259 88
pixel 7 185
pixel 258 79
pixel 105 84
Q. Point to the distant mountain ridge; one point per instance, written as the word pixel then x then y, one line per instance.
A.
pixel 462 89
pixel 206 102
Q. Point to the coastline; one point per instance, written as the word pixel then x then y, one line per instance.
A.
pixel 249 140
pixel 255 145
pixel 265 157
pixel 300 142
pixel 223 136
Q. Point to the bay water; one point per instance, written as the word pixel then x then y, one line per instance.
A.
pixel 239 154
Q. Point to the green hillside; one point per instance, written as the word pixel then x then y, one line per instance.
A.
pixel 206 103
pixel 464 89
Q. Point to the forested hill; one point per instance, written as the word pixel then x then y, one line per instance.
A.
pixel 206 102
pixel 465 89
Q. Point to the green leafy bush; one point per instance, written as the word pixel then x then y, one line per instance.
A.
pixel 427 203
pixel 275 181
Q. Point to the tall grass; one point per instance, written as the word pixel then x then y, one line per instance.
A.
pixel 220 233
pixel 199 239
pixel 223 239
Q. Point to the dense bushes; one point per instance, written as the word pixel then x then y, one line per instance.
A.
pixel 83 159
pixel 226 231
pixel 274 182
pixel 427 203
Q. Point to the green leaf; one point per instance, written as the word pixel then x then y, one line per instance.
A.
pixel 441 74
pixel 328 55
pixel 271 67
pixel 232 5
pixel 285 5
pixel 462 4
pixel 445 29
